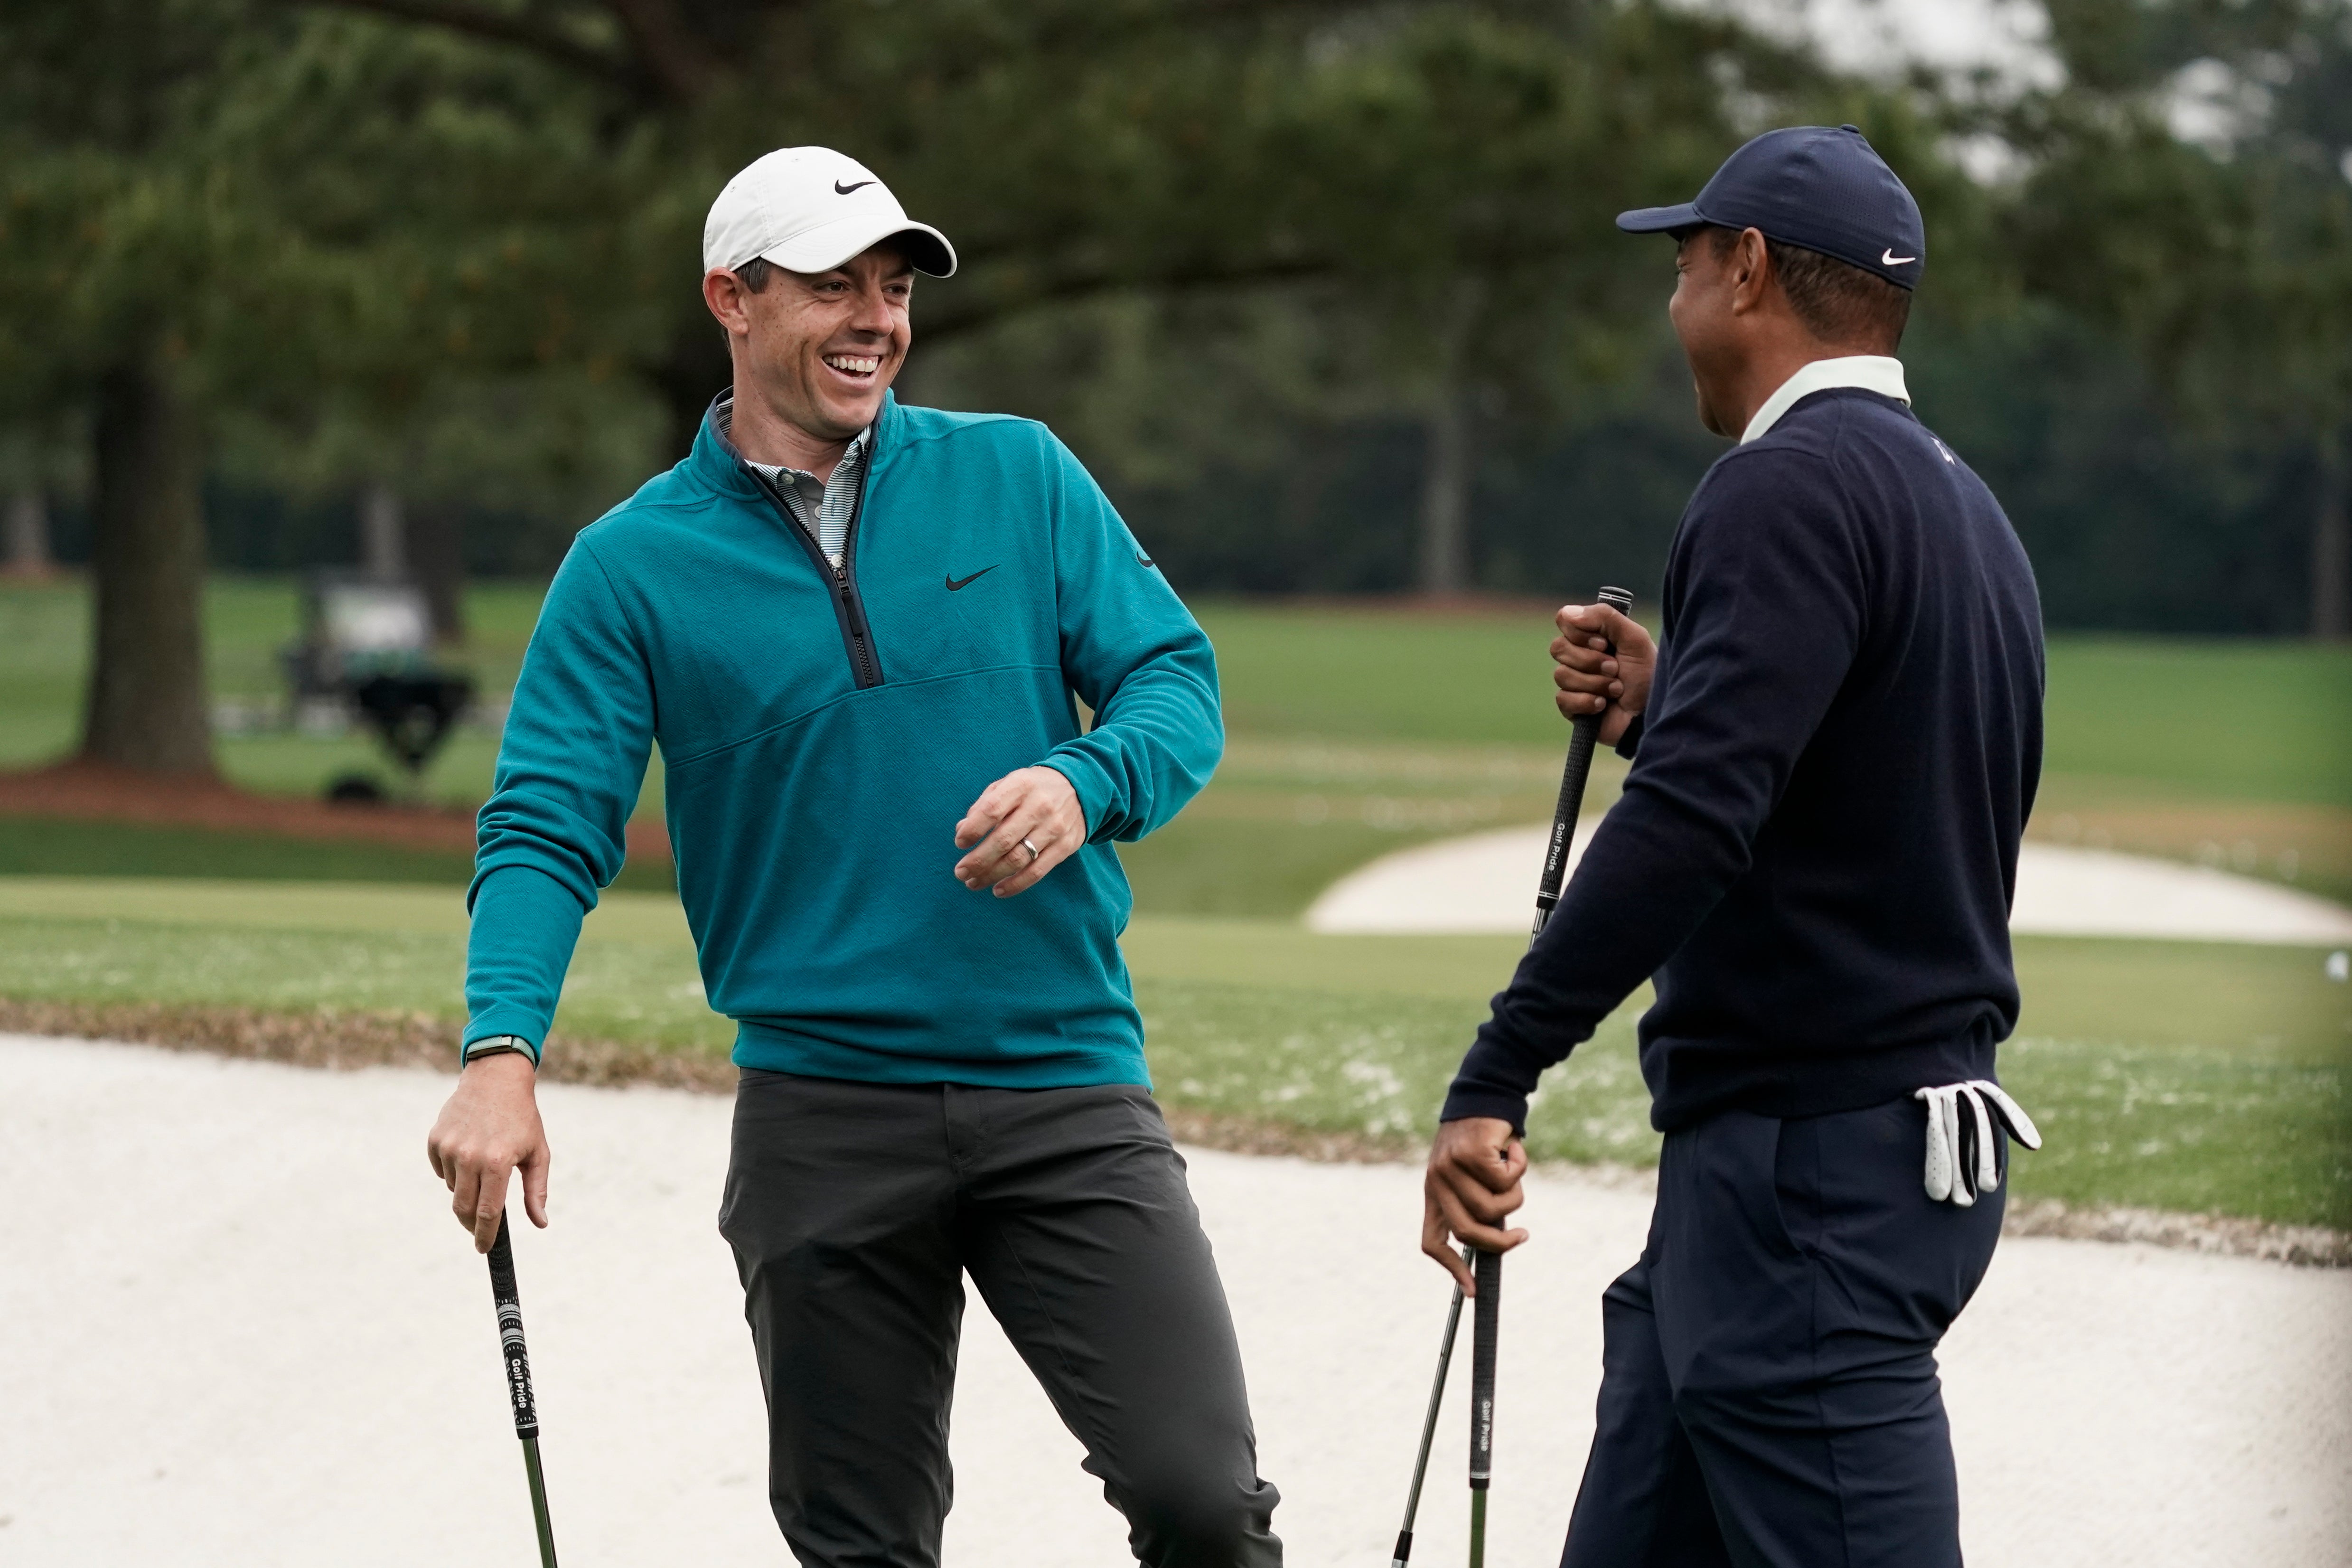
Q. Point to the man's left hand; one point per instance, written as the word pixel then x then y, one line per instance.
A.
pixel 1470 1189
pixel 1030 809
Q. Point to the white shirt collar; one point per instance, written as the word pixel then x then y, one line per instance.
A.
pixel 1872 372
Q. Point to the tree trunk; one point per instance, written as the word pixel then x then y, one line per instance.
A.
pixel 383 552
pixel 437 556
pixel 2331 542
pixel 28 535
pixel 146 707
pixel 1450 468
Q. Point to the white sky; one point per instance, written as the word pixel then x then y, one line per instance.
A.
pixel 1870 36
pixel 2006 34
pixel 2209 103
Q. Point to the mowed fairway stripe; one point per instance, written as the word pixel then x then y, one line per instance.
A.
pixel 651 917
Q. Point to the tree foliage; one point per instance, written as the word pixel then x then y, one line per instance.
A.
pixel 1278 266
pixel 2224 257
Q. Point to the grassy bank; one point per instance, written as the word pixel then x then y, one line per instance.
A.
pixel 2204 1077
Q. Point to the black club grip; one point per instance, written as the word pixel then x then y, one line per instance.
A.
pixel 511 1342
pixel 1584 736
pixel 1485 1323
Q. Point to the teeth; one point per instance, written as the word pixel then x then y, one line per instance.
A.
pixel 853 364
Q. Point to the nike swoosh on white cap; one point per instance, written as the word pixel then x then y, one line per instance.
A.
pixel 1888 259
pixel 810 209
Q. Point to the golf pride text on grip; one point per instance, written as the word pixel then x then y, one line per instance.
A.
pixel 509 1301
pixel 1487 1306
pixel 1584 734
pixel 1485 1323
pixel 510 1343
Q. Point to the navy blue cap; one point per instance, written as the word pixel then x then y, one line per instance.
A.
pixel 1813 187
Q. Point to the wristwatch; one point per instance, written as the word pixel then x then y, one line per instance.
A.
pixel 499 1046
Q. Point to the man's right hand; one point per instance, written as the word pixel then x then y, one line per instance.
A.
pixel 489 1129
pixel 1591 678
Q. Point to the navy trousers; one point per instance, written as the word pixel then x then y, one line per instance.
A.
pixel 1769 1396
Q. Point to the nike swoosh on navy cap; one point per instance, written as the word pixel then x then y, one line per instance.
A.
pixel 1816 187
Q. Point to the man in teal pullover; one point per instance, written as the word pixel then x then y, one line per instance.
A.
pixel 855 629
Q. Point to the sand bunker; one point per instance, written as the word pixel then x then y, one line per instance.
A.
pixel 1485 883
pixel 243 1331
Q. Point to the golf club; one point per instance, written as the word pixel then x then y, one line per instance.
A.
pixel 1485 1320
pixel 526 1409
pixel 1584 734
pixel 1403 1554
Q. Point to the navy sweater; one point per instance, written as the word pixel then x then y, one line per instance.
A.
pixel 1817 846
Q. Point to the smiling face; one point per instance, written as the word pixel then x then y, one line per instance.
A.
pixel 818 350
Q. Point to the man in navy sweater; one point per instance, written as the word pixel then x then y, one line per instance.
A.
pixel 1834 754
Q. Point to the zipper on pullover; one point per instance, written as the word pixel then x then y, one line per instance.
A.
pixel 863 662
pixel 848 607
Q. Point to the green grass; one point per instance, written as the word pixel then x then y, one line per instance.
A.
pixel 2224 720
pixel 1378 674
pixel 108 849
pixel 1355 731
pixel 67 848
pixel 2206 1077
pixel 2234 718
pixel 2229 718
pixel 1360 730
pixel 2171 1075
pixel 44 651
pixel 2210 1077
pixel 1288 817
pixel 2198 1077
pixel 1360 1034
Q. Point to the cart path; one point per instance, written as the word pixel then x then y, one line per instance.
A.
pixel 1485 883
pixel 241 1329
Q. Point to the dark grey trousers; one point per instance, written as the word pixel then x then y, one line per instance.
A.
pixel 854 1211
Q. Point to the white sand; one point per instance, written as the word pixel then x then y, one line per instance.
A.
pixel 238 1326
pixel 1485 883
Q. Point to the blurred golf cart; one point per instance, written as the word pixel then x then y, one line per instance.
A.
pixel 366 656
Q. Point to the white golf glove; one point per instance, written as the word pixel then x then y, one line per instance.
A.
pixel 1962 1158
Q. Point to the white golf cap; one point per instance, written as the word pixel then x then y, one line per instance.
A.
pixel 809 209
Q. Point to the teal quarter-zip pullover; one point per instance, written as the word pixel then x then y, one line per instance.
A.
pixel 824 728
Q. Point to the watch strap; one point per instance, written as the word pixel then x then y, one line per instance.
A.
pixel 497 1046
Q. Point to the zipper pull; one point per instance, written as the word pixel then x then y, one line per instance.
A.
pixel 849 602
